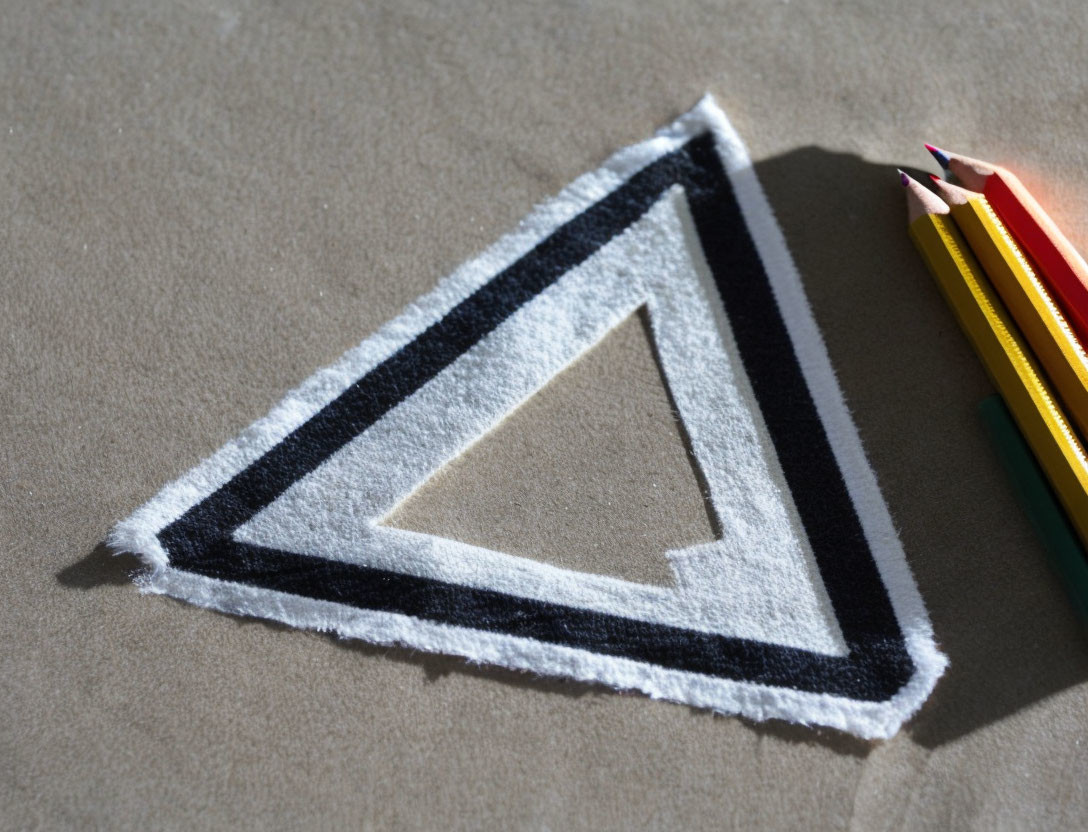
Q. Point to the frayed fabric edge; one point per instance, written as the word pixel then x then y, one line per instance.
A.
pixel 871 721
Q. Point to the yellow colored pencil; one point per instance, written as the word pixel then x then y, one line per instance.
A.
pixel 1026 296
pixel 1063 269
pixel 1002 349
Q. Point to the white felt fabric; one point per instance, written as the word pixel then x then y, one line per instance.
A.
pixel 759 581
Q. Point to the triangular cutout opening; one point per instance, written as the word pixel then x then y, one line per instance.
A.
pixel 593 473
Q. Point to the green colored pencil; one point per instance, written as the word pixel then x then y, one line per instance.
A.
pixel 1035 496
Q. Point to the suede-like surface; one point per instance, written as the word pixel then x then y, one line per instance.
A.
pixel 203 204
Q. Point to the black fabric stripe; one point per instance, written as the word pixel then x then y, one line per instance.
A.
pixel 480 609
pixel 804 452
pixel 878 664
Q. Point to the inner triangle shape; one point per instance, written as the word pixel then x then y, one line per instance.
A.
pixel 592 473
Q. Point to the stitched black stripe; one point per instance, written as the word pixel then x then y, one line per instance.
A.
pixel 481 609
pixel 816 484
pixel 878 663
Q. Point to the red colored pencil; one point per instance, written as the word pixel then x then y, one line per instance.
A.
pixel 1063 269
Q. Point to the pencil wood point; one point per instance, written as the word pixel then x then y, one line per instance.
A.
pixel 921 200
pixel 938 154
pixel 1057 261
pixel 971 173
pixel 952 194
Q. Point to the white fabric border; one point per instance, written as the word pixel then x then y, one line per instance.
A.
pixel 138 533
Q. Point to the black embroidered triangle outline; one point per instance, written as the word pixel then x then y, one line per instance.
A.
pixel 877 664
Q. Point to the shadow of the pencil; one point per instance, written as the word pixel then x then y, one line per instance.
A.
pixel 913 384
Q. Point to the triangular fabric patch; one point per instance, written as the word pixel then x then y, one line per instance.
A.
pixel 802 609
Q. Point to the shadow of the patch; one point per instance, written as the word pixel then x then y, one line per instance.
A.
pixel 100 567
pixel 438 666
pixel 913 384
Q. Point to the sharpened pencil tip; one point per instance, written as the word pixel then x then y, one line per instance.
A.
pixel 939 155
pixel 935 177
pixel 904 180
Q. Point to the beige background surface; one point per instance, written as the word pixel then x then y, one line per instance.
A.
pixel 203 202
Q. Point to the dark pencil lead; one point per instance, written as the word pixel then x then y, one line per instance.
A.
pixel 904 180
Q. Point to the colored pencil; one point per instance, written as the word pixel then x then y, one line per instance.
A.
pixel 1002 349
pixel 1067 557
pixel 1026 297
pixel 1061 266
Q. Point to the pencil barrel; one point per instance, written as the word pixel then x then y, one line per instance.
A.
pixel 1052 526
pixel 1026 297
pixel 1062 267
pixel 1008 361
